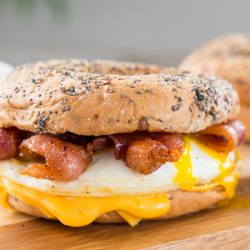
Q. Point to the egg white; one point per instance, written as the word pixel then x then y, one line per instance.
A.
pixel 106 176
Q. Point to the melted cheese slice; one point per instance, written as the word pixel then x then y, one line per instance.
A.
pixel 133 196
pixel 79 211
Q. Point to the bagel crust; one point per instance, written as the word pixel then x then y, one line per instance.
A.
pixel 67 96
pixel 181 203
pixel 227 57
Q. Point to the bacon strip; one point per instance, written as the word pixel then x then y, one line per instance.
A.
pixel 223 137
pixel 99 143
pixel 122 142
pixel 9 140
pixel 64 161
pixel 145 153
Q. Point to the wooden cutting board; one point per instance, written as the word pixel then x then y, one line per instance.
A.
pixel 227 227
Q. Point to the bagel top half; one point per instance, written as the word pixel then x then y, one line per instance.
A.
pixel 228 57
pixel 60 96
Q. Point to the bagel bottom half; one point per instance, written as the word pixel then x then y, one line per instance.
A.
pixel 181 203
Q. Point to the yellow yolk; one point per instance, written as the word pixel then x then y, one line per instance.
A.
pixel 186 181
pixel 228 178
pixel 184 177
pixel 80 211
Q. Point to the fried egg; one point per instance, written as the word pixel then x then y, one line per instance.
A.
pixel 106 176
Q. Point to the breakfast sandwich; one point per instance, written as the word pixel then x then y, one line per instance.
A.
pixel 228 57
pixel 108 142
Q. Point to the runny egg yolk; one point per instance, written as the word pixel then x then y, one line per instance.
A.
pixel 228 178
pixel 80 211
pixel 184 176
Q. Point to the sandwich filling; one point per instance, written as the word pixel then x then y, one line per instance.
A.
pixel 76 179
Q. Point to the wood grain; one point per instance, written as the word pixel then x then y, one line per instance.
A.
pixel 227 227
pixel 8 218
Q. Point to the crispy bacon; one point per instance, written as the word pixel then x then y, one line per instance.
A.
pixel 145 153
pixel 99 143
pixel 9 140
pixel 64 161
pixel 223 137
pixel 122 142
pixel 173 142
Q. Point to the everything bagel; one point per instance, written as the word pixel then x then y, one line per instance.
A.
pixel 110 142
pixel 59 96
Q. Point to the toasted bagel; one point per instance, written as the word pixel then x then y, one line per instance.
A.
pixel 62 96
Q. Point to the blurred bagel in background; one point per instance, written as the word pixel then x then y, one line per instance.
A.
pixel 227 57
